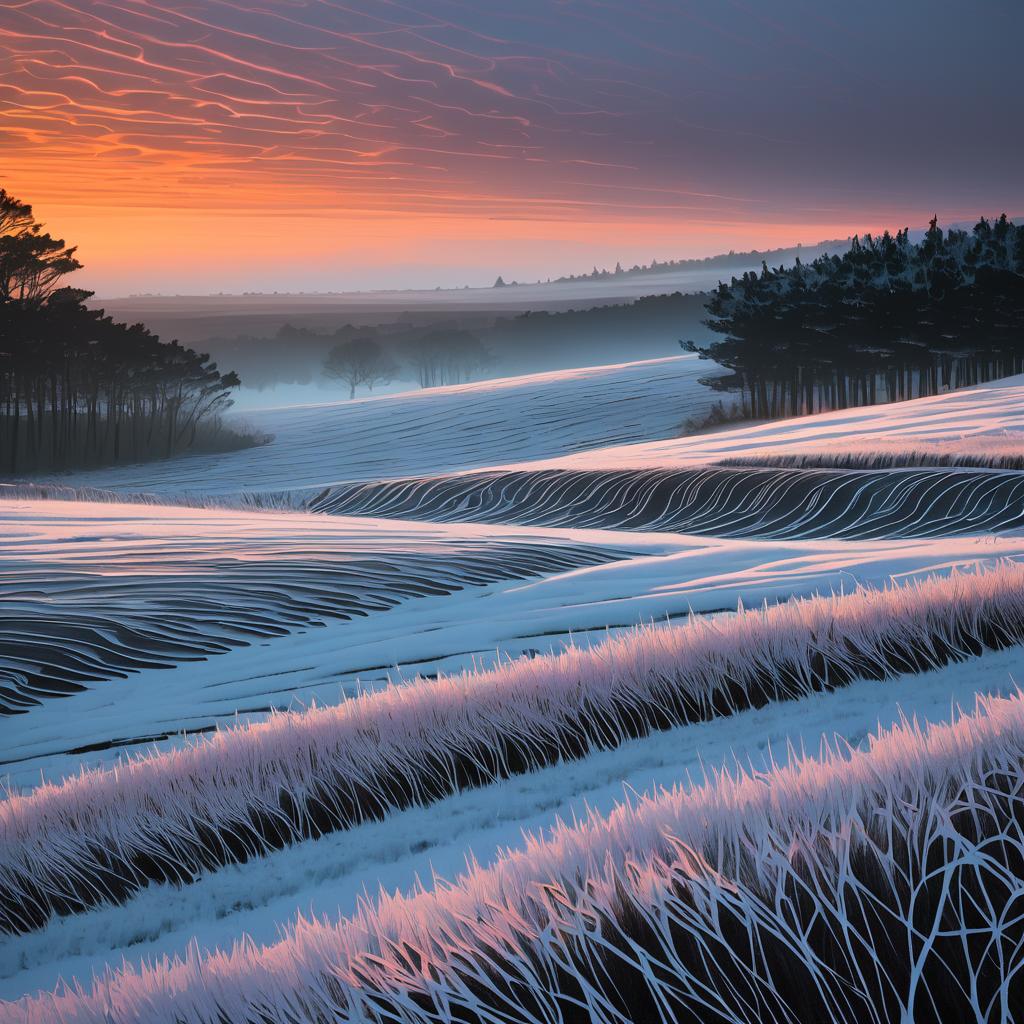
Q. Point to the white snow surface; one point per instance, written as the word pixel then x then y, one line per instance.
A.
pixel 439 430
pixel 598 418
pixel 993 410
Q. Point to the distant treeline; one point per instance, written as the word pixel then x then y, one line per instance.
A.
pixel 467 345
pixel 431 353
pixel 644 329
pixel 886 320
pixel 724 260
pixel 78 389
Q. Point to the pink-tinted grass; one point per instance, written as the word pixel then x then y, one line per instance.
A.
pixel 249 501
pixel 102 835
pixel 996 453
pixel 869 885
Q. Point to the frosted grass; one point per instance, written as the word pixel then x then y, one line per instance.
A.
pixel 994 452
pixel 102 835
pixel 871 885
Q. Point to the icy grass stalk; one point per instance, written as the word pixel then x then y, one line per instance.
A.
pixel 247 501
pixel 102 835
pixel 996 453
pixel 871 885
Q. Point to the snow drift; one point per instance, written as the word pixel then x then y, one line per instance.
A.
pixel 783 504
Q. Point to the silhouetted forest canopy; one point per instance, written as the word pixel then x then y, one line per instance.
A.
pixel 78 389
pixel 885 321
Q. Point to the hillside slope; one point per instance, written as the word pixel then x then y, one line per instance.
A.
pixel 440 430
pixel 166 660
pixel 987 413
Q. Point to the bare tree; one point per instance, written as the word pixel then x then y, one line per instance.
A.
pixel 446 357
pixel 359 361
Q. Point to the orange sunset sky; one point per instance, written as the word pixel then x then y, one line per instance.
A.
pixel 318 145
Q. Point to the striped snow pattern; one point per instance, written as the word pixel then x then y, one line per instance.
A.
pixel 67 623
pixel 721 502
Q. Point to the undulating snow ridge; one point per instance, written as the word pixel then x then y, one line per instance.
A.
pixel 968 418
pixel 768 503
pixel 91 593
pixel 101 836
pixel 871 885
pixel 439 430
pixel 668 577
pixel 625 416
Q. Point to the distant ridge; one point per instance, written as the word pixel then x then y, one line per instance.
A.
pixel 725 260
pixel 731 259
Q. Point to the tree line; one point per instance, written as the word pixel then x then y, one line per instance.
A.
pixel 437 358
pixel 466 345
pixel 726 259
pixel 887 320
pixel 79 389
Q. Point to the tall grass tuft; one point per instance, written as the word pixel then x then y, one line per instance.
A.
pixel 871 885
pixel 995 453
pixel 249 501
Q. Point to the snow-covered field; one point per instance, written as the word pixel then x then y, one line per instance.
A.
pixel 441 429
pixel 993 411
pixel 324 655
pixel 540 518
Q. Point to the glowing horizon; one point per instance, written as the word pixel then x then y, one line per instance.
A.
pixel 202 145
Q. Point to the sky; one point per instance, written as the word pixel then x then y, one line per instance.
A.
pixel 197 146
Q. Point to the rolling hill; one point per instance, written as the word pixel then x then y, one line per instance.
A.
pixel 684 664
pixel 439 430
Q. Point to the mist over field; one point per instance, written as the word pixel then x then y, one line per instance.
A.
pixel 278 343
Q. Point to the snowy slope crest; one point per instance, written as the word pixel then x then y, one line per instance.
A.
pixel 439 430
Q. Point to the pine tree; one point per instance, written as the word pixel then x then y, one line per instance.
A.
pixel 887 317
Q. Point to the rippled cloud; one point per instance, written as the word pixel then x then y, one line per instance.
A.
pixel 698 111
